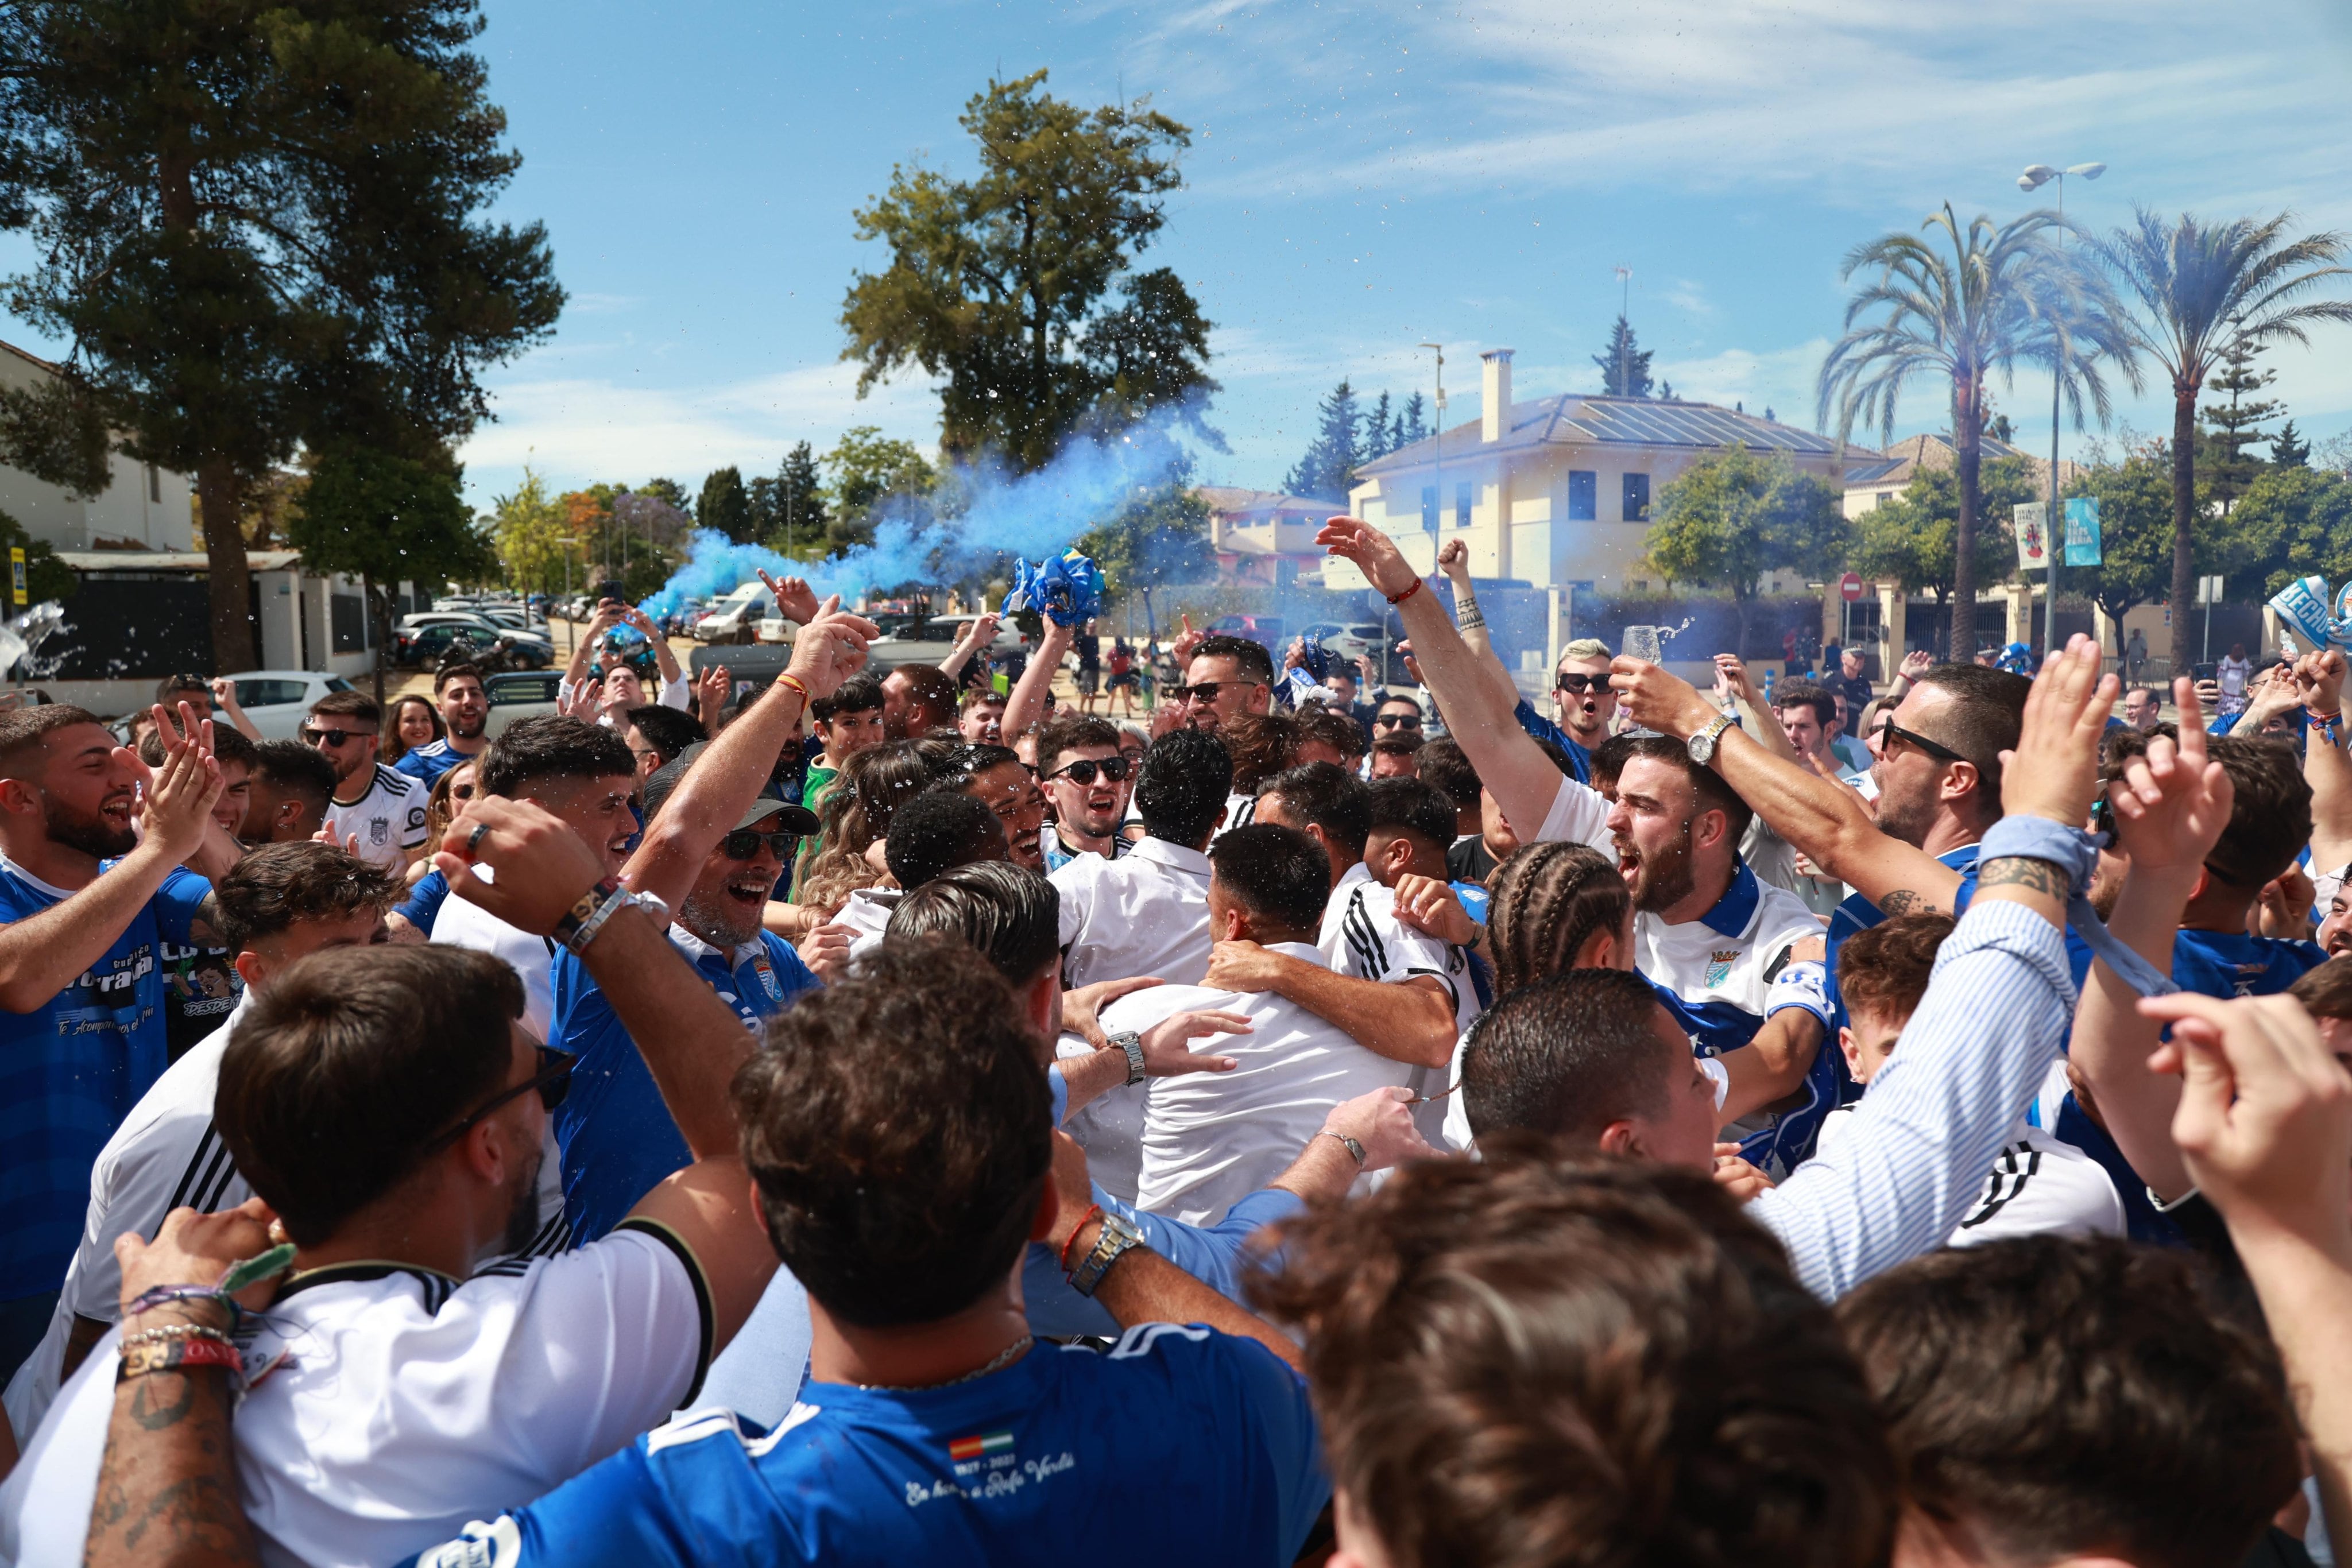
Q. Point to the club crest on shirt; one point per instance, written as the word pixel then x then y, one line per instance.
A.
pixel 1718 967
pixel 378 833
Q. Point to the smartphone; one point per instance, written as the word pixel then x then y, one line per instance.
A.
pixel 611 589
pixel 2204 672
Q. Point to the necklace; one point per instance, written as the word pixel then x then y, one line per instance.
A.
pixel 998 1362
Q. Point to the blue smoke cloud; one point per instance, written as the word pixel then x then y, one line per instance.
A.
pixel 996 516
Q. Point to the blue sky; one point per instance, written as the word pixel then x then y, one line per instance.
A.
pixel 1362 177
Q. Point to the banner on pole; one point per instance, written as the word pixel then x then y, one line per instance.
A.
pixel 2029 519
pixel 2082 531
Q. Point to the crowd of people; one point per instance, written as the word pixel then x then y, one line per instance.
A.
pixel 881 1117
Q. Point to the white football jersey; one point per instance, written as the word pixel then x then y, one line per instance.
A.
pixel 388 820
pixel 1363 938
pixel 2038 1186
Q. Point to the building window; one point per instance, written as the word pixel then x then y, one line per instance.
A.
pixel 154 484
pixel 1462 499
pixel 1429 509
pixel 1637 497
pixel 1583 493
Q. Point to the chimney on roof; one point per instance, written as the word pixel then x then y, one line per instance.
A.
pixel 1495 421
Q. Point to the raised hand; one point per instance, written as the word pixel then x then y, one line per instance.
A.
pixel 177 810
pixel 795 600
pixel 1373 552
pixel 825 951
pixel 2055 771
pixel 1295 656
pixel 1915 664
pixel 1654 698
pixel 1381 1121
pixel 710 692
pixel 223 694
pixel 587 700
pixel 543 866
pixel 1454 560
pixel 2321 676
pixel 608 613
pixel 2171 805
pixel 1731 674
pixel 830 648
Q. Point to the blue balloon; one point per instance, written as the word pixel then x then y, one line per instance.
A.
pixel 1067 590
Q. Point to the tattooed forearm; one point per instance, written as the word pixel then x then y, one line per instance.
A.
pixel 167 1486
pixel 1904 901
pixel 2017 871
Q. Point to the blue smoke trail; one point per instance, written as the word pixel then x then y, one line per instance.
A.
pixel 1000 515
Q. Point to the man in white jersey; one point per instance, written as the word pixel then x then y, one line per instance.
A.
pixel 379 810
pixel 279 904
pixel 387 1105
pixel 1210 1139
pixel 584 776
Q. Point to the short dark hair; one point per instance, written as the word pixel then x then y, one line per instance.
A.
pixel 1261 745
pixel 1255 664
pixel 350 1063
pixel 1445 766
pixel 1007 914
pixel 24 728
pixel 900 1134
pixel 1885 968
pixel 979 696
pixel 1413 806
pixel 295 769
pixel 281 885
pixel 1068 732
pixel 1807 693
pixel 1564 1057
pixel 860 694
pixel 938 831
pixel 1709 791
pixel 1180 790
pixel 550 746
pixel 2062 1396
pixel 458 670
pixel 232 745
pixel 668 730
pixel 1547 901
pixel 1326 796
pixel 1278 874
pixel 2326 991
pixel 350 704
pixel 1337 730
pixel 2269 811
pixel 1985 718
pixel 1521 1362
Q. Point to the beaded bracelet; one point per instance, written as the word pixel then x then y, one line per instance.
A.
pixel 180 1353
pixel 164 1333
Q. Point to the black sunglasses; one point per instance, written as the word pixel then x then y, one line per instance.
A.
pixel 1576 685
pixel 1205 691
pixel 332 737
pixel 1083 771
pixel 1392 720
pixel 1889 733
pixel 744 844
pixel 554 1081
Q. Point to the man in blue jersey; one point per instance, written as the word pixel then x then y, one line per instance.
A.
pixel 87 906
pixel 464 712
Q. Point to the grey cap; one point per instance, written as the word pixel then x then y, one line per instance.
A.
pixel 763 808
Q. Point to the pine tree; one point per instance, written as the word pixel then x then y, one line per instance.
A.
pixel 2236 426
pixel 1667 390
pixel 1411 424
pixel 2289 449
pixel 800 499
pixel 1376 430
pixel 1327 470
pixel 1625 364
pixel 724 506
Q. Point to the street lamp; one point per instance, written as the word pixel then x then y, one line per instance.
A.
pixel 2037 175
pixel 1437 458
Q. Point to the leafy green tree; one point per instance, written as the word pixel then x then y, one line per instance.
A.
pixel 871 473
pixel 258 223
pixel 1014 288
pixel 1624 363
pixel 531 531
pixel 2293 522
pixel 801 514
pixel 669 490
pixel 2201 291
pixel 1328 469
pixel 724 506
pixel 1729 519
pixel 1157 541
pixel 2134 498
pixel 2234 426
pixel 1913 540
pixel 2002 297
pixel 45 577
pixel 2289 449
pixel 383 518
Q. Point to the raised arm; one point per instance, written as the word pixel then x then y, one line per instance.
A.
pixel 977 634
pixel 1454 560
pixel 1027 704
pixel 665 660
pixel 2325 766
pixel 608 611
pixel 1514 769
pixel 1822 819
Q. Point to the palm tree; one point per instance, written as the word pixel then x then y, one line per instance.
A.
pixel 2001 298
pixel 2204 290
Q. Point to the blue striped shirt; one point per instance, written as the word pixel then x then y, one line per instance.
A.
pixel 1938 1111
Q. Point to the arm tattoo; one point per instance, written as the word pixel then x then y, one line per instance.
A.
pixel 2017 871
pixel 205 925
pixel 1904 901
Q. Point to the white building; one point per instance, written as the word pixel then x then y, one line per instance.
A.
pixel 143 508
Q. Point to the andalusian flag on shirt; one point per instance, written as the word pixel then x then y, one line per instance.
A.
pixel 980 1446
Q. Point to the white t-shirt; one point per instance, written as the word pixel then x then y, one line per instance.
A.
pixel 1578 815
pixel 1241 811
pixel 1210 1139
pixel 388 820
pixel 167 1154
pixel 2038 1186
pixel 408 1404
pixel 2232 676
pixel 867 913
pixel 1362 937
pixel 462 923
pixel 1144 913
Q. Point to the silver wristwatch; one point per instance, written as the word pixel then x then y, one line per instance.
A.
pixel 1702 745
pixel 1119 1234
pixel 1131 1043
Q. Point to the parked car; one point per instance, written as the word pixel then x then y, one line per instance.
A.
pixel 519 695
pixel 276 700
pixel 479 620
pixel 424 647
pixel 1348 643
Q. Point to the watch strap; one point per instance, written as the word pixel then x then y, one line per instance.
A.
pixel 1347 1142
pixel 585 908
pixel 1131 1043
pixel 1118 1235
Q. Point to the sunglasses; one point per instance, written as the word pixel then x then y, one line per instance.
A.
pixel 1889 733
pixel 1392 720
pixel 332 737
pixel 1577 685
pixel 1206 691
pixel 1083 771
pixel 554 1081
pixel 461 792
pixel 743 845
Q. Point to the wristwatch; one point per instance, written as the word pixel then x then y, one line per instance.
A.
pixel 1132 1043
pixel 1702 745
pixel 1119 1234
pixel 1346 1143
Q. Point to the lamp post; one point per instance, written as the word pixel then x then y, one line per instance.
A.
pixel 2037 175
pixel 1437 481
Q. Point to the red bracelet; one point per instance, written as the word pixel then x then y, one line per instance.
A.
pixel 794 681
pixel 1094 1212
pixel 1408 593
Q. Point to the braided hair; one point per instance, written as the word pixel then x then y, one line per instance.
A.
pixel 1549 900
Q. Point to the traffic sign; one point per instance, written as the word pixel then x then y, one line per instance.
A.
pixel 1850 588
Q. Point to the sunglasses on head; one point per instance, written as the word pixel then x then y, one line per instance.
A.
pixel 1083 771
pixel 1576 685
pixel 332 737
pixel 743 845
pixel 554 1081
pixel 1889 733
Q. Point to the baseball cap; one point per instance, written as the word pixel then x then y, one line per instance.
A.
pixel 763 808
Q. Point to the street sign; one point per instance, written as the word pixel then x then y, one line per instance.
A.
pixel 2030 521
pixel 16 586
pixel 1850 588
pixel 2082 531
